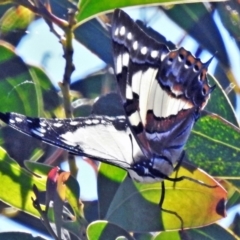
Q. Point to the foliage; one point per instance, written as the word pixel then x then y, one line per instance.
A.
pixel 214 144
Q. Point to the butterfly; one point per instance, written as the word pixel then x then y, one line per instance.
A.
pixel 162 93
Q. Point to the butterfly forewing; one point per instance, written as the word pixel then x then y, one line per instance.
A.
pixel 102 138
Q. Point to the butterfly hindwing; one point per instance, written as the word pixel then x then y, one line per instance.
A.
pixel 162 91
pixel 136 57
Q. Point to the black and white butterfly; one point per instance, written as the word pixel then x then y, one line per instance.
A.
pixel 162 92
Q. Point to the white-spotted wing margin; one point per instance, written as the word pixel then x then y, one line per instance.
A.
pixel 101 138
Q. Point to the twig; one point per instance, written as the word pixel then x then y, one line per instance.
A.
pixel 39 8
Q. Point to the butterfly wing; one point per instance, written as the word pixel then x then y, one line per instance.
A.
pixel 162 91
pixel 105 139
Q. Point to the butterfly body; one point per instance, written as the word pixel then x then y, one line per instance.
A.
pixel 162 93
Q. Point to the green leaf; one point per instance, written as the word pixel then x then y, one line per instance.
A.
pixel 103 230
pixel 111 177
pixel 206 233
pixel 143 236
pixel 210 232
pixel 16 185
pixel 88 9
pixel 24 89
pixel 95 85
pixel 198 22
pixel 229 13
pixel 88 32
pixel 219 102
pixel 48 99
pixel 214 145
pixel 223 78
pixel 16 84
pixel 168 235
pixel 17 17
pixel 134 206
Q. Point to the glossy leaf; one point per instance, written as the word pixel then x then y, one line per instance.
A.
pixel 16 18
pixel 91 8
pixel 16 83
pixel 168 235
pixel 20 82
pixel 198 22
pixel 103 230
pixel 23 89
pixel 219 102
pixel 143 236
pixel 229 13
pixel 48 98
pixel 210 232
pixel 16 185
pixel 214 145
pixel 227 86
pixel 95 85
pixel 139 202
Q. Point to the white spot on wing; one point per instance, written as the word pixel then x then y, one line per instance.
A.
pixel 125 59
pixel 135 45
pixel 41 130
pixel 95 121
pixel 119 64
pixel 129 36
pixel 69 137
pixel 57 125
pixel 37 132
pixel 134 118
pixel 88 121
pixel 43 124
pixel 143 50
pixel 122 31
pixel 73 123
pixel 116 32
pixel 129 94
pixel 18 119
pixel 154 53
pixel 11 121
